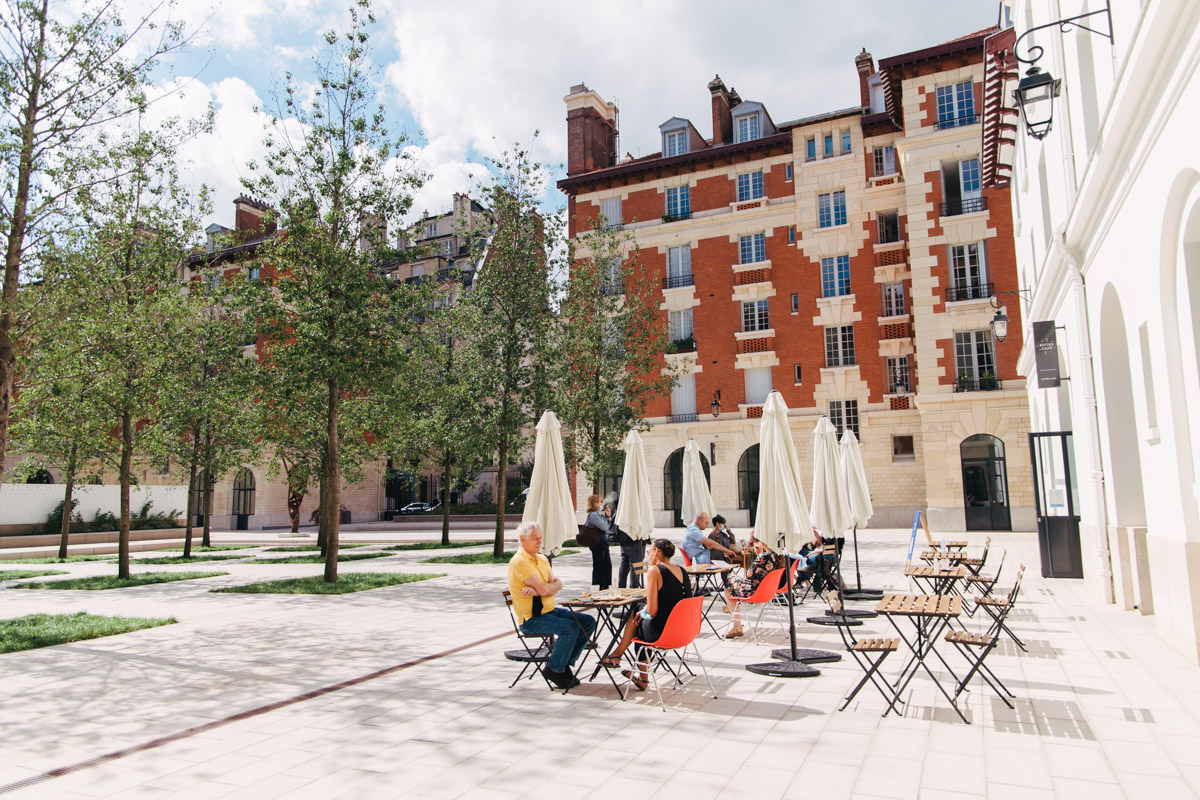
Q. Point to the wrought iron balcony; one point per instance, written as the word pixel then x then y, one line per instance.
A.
pixel 957 122
pixel 677 217
pixel 971 205
pixel 969 291
pixel 676 281
pixel 983 384
pixel 681 418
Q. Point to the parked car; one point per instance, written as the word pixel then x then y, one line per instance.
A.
pixel 415 508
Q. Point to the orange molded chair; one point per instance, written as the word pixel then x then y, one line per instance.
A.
pixel 687 560
pixel 772 585
pixel 678 634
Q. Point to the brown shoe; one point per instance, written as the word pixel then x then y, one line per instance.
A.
pixel 735 633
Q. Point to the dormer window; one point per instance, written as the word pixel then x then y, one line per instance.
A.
pixel 431 229
pixel 674 143
pixel 747 127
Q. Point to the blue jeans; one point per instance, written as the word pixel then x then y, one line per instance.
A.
pixel 571 632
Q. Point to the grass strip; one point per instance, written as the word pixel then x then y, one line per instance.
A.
pixel 17 574
pixel 437 545
pixel 67 560
pixel 346 583
pixel 481 558
pixel 101 582
pixel 308 548
pixel 215 548
pixel 43 630
pixel 318 558
pixel 182 560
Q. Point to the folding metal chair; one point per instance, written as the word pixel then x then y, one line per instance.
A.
pixel 984 643
pixel 983 584
pixel 999 607
pixel 863 651
pixel 535 657
pixel 975 565
pixel 683 625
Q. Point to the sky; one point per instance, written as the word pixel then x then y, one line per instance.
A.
pixel 464 79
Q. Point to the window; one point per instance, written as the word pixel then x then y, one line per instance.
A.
pixel 828 145
pixel 444 246
pixel 679 266
pixel 902 449
pixel 845 141
pixel 752 249
pixel 747 127
pixel 214 281
pixel 831 209
pixel 839 346
pixel 973 356
pixel 611 283
pixel 889 226
pixel 791 234
pixel 795 304
pixel 787 172
pixel 968 272
pixel 969 176
pixel 897 376
pixel 679 202
pixel 961 188
pixel 674 143
pixel 252 273
pixel 749 186
pixel 679 325
pixel 797 368
pixel 610 213
pixel 758 385
pixel 418 270
pixel 431 229
pixel 683 396
pixel 810 149
pixel 885 160
pixel 835 276
pixel 893 300
pixel 956 105
pixel 844 414
pixel 755 316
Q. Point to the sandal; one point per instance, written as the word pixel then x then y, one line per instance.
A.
pixel 610 662
pixel 638 682
pixel 735 633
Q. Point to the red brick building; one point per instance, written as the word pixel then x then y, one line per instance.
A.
pixel 844 259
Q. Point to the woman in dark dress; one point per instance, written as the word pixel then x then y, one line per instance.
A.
pixel 666 585
pixel 601 558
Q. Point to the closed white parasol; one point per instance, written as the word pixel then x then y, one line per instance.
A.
pixel 549 500
pixel 635 513
pixel 696 495
pixel 830 504
pixel 781 506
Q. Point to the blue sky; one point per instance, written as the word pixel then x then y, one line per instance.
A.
pixel 466 77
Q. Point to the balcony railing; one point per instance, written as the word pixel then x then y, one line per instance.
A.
pixel 957 122
pixel 971 205
pixel 983 384
pixel 681 418
pixel 677 217
pixel 682 344
pixel 676 281
pixel 970 291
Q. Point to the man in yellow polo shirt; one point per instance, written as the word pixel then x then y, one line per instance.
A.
pixel 533 586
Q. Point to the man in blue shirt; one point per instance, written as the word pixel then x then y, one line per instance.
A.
pixel 698 546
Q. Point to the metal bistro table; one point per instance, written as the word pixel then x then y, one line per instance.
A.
pixel 938 579
pixel 929 614
pixel 705 576
pixel 605 604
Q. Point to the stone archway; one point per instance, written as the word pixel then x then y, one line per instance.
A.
pixel 1125 460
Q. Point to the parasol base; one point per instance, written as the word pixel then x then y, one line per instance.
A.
pixel 864 594
pixel 784 669
pixel 858 613
pixel 807 655
pixel 835 619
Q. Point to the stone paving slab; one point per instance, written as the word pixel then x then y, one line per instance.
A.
pixel 1104 708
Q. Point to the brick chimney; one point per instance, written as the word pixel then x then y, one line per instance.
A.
pixel 591 131
pixel 721 118
pixel 250 217
pixel 866 68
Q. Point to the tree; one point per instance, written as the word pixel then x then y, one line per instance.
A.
pixel 333 322
pixel 510 315
pixel 612 340
pixel 62 83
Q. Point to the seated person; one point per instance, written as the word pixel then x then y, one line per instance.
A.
pixel 742 588
pixel 698 546
pixel 721 534
pixel 533 585
pixel 811 566
pixel 666 585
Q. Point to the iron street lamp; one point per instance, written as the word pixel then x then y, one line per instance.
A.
pixel 1000 319
pixel 1035 93
pixel 716 403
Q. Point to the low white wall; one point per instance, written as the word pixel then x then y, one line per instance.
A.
pixel 29 504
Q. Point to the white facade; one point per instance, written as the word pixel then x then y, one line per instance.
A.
pixel 1107 228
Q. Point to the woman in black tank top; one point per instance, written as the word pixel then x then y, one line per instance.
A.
pixel 666 585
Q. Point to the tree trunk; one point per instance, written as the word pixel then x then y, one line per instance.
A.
pixel 29 116
pixel 126 479
pixel 322 515
pixel 205 540
pixel 68 505
pixel 595 453
pixel 294 501
pixel 333 477
pixel 501 493
pixel 446 498
pixel 191 504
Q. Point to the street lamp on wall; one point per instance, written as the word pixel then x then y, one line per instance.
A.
pixel 716 403
pixel 1000 319
pixel 1035 93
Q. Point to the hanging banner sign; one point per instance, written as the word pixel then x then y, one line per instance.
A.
pixel 1045 354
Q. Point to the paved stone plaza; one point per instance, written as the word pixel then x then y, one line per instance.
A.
pixel 1105 708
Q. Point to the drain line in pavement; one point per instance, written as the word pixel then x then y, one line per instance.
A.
pixel 58 772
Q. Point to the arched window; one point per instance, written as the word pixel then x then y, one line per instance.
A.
pixel 41 476
pixel 748 479
pixel 985 483
pixel 243 493
pixel 673 479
